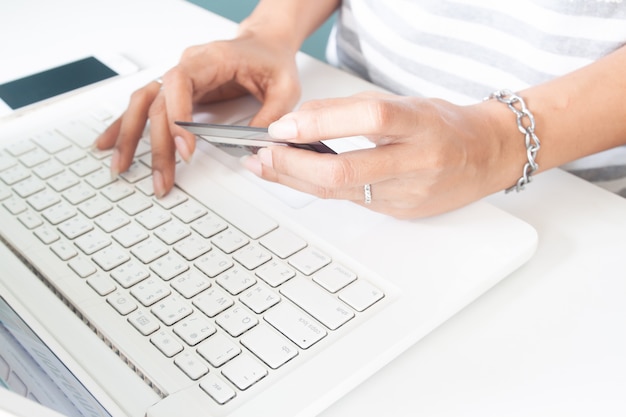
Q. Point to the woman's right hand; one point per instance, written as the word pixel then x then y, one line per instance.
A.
pixel 221 70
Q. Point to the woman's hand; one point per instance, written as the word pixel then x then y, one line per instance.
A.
pixel 430 157
pixel 212 72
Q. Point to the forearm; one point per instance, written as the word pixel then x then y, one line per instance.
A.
pixel 580 113
pixel 289 22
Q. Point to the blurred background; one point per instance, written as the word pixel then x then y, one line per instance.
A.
pixel 237 10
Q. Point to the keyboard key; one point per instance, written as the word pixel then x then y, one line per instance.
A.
pixel 51 141
pixel 217 389
pixel 75 227
pixel 63 181
pixel 298 326
pixel 43 200
pixel 334 277
pixel 110 257
pixel 149 250
pixel 213 263
pixel 101 283
pixel 275 273
pixel 95 207
pixel 153 217
pixel 230 240
pixel 28 187
pixel 283 243
pixel 47 234
pixel 191 364
pixel 243 371
pixel 144 322
pixel 252 256
pixel 15 205
pixel 82 266
pixel 166 343
pixel 112 221
pixel 117 191
pixel 317 302
pixel 175 197
pixel 122 302
pixel 70 155
pixel 85 166
pixel 30 220
pixel 192 247
pixel 14 174
pixel 309 260
pixel 194 329
pixel 169 266
pixel 171 310
pixel 129 274
pixel 172 231
pixel 269 346
pixel 235 280
pixel 259 298
pixel 134 204
pixel 236 321
pixel 128 235
pixel 48 169
pixel 150 291
pixel 190 211
pixel 34 157
pixel 59 213
pixel 99 178
pixel 136 172
pixel 92 242
pixel 208 225
pixel 361 295
pixel 78 193
pixel 218 349
pixel 79 133
pixel 190 283
pixel 64 250
pixel 213 301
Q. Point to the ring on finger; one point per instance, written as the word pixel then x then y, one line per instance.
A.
pixel 159 80
pixel 367 193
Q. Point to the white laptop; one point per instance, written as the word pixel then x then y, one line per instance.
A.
pixel 230 296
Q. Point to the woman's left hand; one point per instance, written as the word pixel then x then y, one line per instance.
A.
pixel 430 157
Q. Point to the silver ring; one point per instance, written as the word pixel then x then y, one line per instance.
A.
pixel 160 81
pixel 367 191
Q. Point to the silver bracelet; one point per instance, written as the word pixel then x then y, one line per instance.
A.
pixel 531 140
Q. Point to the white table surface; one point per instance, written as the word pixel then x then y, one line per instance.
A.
pixel 549 340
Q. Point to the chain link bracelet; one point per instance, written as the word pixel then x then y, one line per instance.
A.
pixel 528 130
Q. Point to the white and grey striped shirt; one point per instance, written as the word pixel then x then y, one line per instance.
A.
pixel 461 50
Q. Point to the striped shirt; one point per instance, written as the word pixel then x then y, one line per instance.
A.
pixel 462 50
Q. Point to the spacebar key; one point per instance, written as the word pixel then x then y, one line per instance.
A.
pixel 317 302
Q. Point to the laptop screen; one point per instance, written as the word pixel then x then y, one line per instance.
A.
pixel 29 368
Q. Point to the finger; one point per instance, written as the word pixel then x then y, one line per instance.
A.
pixel 334 118
pixel 277 101
pixel 344 170
pixel 163 149
pixel 178 95
pixel 131 127
pixel 107 139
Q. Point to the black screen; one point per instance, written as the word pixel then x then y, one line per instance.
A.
pixel 52 82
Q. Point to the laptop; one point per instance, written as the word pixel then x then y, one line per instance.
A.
pixel 228 297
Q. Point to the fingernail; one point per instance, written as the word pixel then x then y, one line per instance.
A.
pixel 265 157
pixel 182 148
pixel 252 164
pixel 158 184
pixel 283 129
pixel 115 164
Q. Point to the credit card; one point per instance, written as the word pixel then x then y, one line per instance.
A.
pixel 247 138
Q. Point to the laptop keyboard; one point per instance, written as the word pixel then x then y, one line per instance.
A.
pixel 226 298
